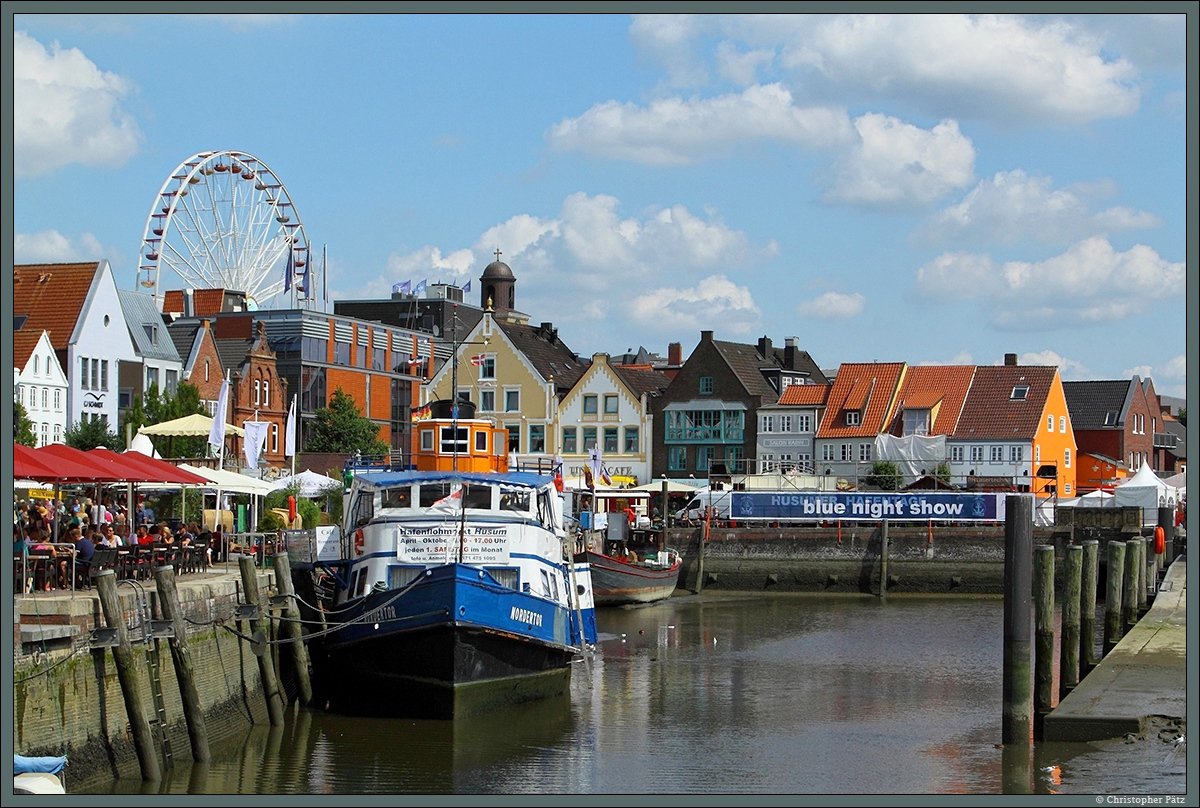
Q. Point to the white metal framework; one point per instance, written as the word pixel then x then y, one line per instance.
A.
pixel 222 219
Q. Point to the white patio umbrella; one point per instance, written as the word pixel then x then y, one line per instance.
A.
pixel 311 484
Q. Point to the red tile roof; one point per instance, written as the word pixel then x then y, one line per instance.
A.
pixel 868 387
pixel 943 386
pixel 24 341
pixel 804 394
pixel 51 296
pixel 990 412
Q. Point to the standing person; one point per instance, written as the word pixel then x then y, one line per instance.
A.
pixel 145 514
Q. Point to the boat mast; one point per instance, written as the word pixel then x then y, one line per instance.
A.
pixel 462 498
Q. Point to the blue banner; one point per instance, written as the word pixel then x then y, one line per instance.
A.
pixel 797 506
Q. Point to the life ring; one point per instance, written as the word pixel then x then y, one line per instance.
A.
pixel 1160 540
pixel 358 542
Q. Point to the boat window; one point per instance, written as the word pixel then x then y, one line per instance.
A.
pixel 364 508
pixel 432 492
pixel 545 583
pixel 554 586
pixel 545 512
pixel 397 497
pixel 478 496
pixel 505 576
pixel 515 501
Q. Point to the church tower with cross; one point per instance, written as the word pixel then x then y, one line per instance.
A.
pixel 497 287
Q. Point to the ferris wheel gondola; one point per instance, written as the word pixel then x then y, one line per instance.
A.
pixel 223 219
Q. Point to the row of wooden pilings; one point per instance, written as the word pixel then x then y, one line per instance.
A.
pixel 1133 571
pixel 260 629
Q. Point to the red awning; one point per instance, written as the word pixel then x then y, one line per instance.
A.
pixel 72 465
pixel 28 466
pixel 156 471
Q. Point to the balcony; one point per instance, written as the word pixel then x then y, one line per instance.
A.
pixel 1165 440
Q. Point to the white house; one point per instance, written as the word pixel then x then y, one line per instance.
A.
pixel 40 385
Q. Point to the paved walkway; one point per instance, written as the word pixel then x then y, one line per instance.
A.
pixel 1144 676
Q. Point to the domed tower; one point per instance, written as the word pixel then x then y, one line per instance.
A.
pixel 498 286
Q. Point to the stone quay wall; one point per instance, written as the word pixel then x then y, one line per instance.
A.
pixel 960 559
pixel 67 697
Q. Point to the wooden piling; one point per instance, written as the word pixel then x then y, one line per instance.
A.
pixel 1114 627
pixel 291 626
pixel 700 560
pixel 1129 593
pixel 1143 589
pixel 271 692
pixel 883 557
pixel 139 724
pixel 189 693
pixel 1068 664
pixel 1043 612
pixel 1017 674
pixel 1087 608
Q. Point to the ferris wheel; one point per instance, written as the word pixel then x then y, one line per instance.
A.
pixel 222 219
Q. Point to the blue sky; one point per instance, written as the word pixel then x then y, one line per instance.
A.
pixel 941 189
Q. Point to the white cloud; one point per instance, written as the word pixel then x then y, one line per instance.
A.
pixel 66 110
pixel 1090 283
pixel 1012 206
pixel 895 163
pixel 713 300
pixel 832 306
pixel 1173 371
pixel 1068 369
pixel 677 131
pixel 51 246
pixel 1011 70
pixel 742 67
pixel 583 263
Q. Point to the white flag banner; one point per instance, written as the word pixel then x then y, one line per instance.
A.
pixel 452 501
pixel 289 438
pixel 254 441
pixel 216 435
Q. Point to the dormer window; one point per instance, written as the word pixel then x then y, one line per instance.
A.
pixel 916 422
pixel 853 418
pixel 1020 392
pixel 1110 418
pixel 706 385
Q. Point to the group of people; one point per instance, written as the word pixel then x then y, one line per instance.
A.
pixel 71 553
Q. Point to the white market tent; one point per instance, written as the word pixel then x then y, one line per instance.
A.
pixel 311 483
pixel 1148 491
pixel 231 481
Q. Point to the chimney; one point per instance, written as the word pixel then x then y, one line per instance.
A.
pixel 789 353
pixel 675 354
pixel 764 347
pixel 706 336
pixel 1010 360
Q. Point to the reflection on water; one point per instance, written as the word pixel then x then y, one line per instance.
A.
pixel 711 694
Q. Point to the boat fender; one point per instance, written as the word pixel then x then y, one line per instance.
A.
pixel 358 542
pixel 1160 540
pixel 291 511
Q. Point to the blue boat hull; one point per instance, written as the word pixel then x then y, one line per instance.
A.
pixel 452 643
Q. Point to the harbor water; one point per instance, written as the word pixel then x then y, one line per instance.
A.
pixel 706 694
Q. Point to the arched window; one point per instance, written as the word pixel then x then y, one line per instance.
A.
pixel 266 393
pixel 36 362
pixel 205 370
pixel 274 438
pixel 257 392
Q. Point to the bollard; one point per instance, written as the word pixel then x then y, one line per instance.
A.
pixel 1017 674
pixel 139 725
pixel 292 627
pixel 270 682
pixel 1129 593
pixel 1043 611
pixel 1068 665
pixel 1087 609
pixel 1113 627
pixel 189 694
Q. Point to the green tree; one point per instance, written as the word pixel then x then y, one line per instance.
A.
pixel 1182 417
pixel 156 407
pixel 942 472
pixel 91 433
pixel 340 427
pixel 884 475
pixel 24 426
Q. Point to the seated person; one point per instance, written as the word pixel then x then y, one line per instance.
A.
pixel 85 548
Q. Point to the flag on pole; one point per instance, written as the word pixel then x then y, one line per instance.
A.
pixel 419 289
pixel 420 413
pixel 595 471
pixel 254 441
pixel 466 287
pixel 478 359
pixel 452 501
pixel 216 435
pixel 401 288
pixel 289 437
pixel 289 270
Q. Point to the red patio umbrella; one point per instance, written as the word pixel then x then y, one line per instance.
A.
pixel 159 471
